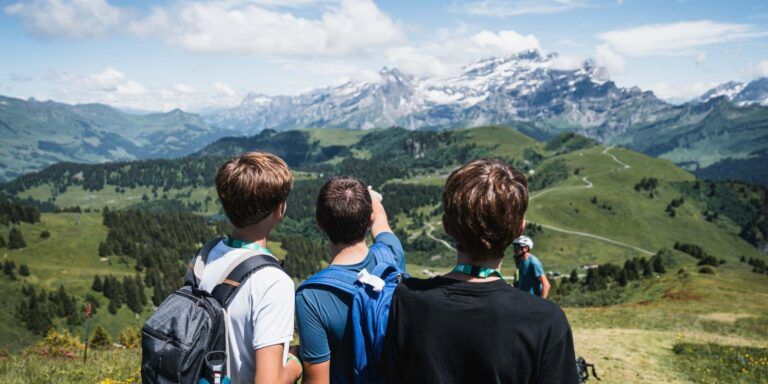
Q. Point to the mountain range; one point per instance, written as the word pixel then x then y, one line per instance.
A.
pixel 34 134
pixel 529 91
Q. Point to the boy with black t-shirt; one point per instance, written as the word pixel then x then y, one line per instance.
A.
pixel 470 326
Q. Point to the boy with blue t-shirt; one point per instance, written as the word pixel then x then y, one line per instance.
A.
pixel 530 273
pixel 346 211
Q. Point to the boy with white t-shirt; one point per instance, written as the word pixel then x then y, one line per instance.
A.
pixel 253 189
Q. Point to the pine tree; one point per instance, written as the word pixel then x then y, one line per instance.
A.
pixel 2 242
pixel 24 270
pixel 112 308
pixel 15 239
pixel 101 338
pixel 8 267
pixel 574 277
pixel 623 281
pixel 97 285
pixel 140 290
pixel 647 269
pixel 131 293
pixel 658 265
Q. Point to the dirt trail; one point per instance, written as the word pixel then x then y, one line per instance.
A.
pixel 587 185
pixel 430 228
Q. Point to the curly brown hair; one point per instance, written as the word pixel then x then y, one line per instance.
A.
pixel 484 204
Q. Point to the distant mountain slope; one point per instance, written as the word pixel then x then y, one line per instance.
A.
pixel 35 134
pixel 527 87
pixel 754 92
pixel 531 92
pixel 697 136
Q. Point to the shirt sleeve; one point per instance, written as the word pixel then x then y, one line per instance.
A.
pixel 538 269
pixel 558 364
pixel 391 241
pixel 314 346
pixel 272 317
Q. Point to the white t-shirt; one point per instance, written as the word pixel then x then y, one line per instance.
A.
pixel 261 313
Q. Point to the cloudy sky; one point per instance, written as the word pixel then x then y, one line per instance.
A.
pixel 159 55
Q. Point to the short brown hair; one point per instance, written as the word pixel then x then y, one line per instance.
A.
pixel 484 204
pixel 252 186
pixel 344 210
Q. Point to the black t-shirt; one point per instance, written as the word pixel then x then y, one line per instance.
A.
pixel 447 331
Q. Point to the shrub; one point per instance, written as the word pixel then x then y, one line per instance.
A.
pixel 708 260
pixel 45 234
pixel 130 338
pixel 57 344
pixel 101 338
pixel 707 270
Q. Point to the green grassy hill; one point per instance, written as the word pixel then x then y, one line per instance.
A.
pixel 590 204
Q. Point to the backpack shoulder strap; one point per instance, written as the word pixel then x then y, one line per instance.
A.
pixel 192 277
pixel 337 278
pixel 383 255
pixel 225 291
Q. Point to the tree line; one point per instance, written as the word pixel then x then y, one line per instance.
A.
pixel 159 243
pixel 593 288
pixel 15 213
pixel 38 308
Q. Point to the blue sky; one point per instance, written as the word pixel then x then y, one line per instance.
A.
pixel 159 55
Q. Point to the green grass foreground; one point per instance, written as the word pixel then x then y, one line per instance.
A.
pixel 712 363
pixel 118 366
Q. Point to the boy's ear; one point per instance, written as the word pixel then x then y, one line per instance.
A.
pixel 280 211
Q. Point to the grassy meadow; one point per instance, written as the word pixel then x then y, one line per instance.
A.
pixel 679 327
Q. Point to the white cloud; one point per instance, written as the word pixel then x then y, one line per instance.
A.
pixel 567 62
pixel 66 18
pixel 612 61
pixel 761 69
pixel 677 93
pixel 505 8
pixel 246 28
pixel 111 81
pixel 676 39
pixel 504 42
pixel 113 87
pixel 224 89
pixel 447 55
pixel 259 27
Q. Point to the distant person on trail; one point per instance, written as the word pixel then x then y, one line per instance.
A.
pixel 253 189
pixel 346 212
pixel 469 325
pixel 530 273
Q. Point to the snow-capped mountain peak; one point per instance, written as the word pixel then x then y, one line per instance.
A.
pixel 528 86
pixel 754 92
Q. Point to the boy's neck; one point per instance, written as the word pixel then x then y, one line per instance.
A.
pixel 348 254
pixel 252 234
pixel 463 258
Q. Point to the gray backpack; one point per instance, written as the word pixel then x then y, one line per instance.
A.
pixel 185 340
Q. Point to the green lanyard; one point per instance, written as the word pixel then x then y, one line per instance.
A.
pixel 474 270
pixel 237 243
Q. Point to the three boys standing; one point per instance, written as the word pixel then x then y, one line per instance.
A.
pixel 465 326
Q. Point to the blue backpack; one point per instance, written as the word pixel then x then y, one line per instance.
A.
pixel 369 311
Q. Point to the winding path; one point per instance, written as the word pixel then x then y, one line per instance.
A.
pixel 588 184
pixel 431 227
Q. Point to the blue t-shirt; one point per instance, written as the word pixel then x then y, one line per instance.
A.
pixel 528 273
pixel 323 316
